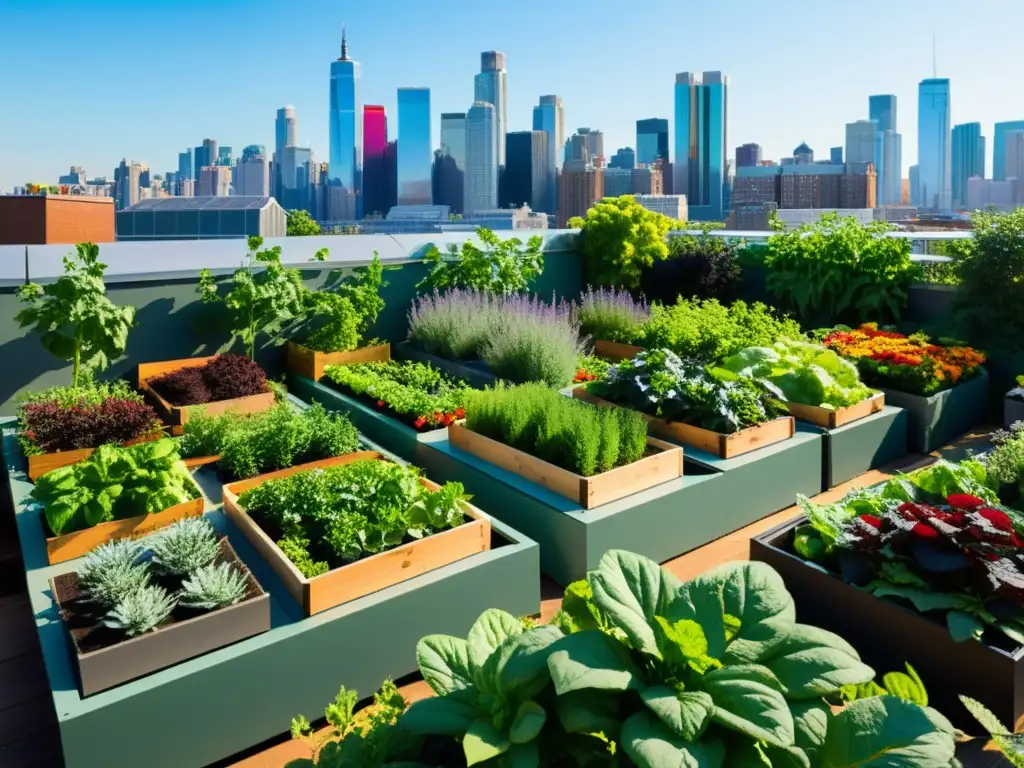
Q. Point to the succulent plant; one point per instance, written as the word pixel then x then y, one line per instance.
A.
pixel 185 547
pixel 213 587
pixel 112 571
pixel 141 611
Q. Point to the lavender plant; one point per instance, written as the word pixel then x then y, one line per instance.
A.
pixel 612 314
pixel 453 324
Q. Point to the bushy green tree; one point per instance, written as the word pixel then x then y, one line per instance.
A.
pixel 619 239
pixel 300 224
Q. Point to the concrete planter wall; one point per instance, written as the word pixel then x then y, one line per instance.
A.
pixel 935 421
pixel 1013 411
pixel 862 445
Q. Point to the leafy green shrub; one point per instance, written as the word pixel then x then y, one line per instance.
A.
pixel 698 267
pixel 567 433
pixel 1005 463
pixel 619 239
pixel 709 331
pixel 347 512
pixel 501 267
pixel 301 224
pixel 611 314
pixel 185 547
pixel 337 317
pixel 838 270
pixel 213 586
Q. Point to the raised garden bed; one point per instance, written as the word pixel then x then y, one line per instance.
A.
pixel 1013 406
pixel 663 463
pixel 365 576
pixel 837 417
pixel 716 443
pixel 176 416
pixel 615 351
pixel 310 363
pixel 937 420
pixel 888 635
pixel 40 464
pixel 105 658
pixel 863 445
pixel 474 373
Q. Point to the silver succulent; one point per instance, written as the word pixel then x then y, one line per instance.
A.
pixel 111 572
pixel 213 587
pixel 185 547
pixel 141 611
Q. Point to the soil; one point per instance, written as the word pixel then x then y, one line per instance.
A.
pixel 83 619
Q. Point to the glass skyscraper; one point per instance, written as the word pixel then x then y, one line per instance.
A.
pixel 491 86
pixel 882 109
pixel 651 140
pixel 185 165
pixel 968 159
pixel 450 162
pixel 548 117
pixel 204 156
pixel 415 150
pixel 701 122
pixel 525 180
pixel 933 150
pixel 999 147
pixel 345 164
pixel 375 145
pixel 481 181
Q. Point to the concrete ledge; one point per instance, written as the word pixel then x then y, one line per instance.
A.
pixel 935 421
pixel 862 445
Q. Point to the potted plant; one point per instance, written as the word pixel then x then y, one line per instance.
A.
pixel 78 323
pixel 335 320
pixel 613 319
pixel 339 529
pixel 1013 404
pixel 684 402
pixel 115 493
pixel 134 607
pixel 590 455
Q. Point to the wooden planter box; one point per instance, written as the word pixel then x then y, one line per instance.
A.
pixel 616 351
pixel 200 461
pixel 310 363
pixel 42 463
pixel 136 657
pixel 832 419
pixel 589 492
pixel 370 574
pixel 717 444
pixel 68 546
pixel 938 420
pixel 887 635
pixel 177 416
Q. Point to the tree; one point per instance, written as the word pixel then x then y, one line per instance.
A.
pixel 300 224
pixel 501 267
pixel 619 239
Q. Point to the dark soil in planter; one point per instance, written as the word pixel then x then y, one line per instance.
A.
pixel 84 619
pixel 405 418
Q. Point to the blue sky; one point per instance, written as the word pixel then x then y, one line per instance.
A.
pixel 87 82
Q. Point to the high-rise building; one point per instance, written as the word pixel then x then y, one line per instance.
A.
pixel 225 156
pixel 491 86
pixel 651 140
pixel 580 186
pixel 415 148
pixel 345 162
pixel 888 167
pixel 818 185
pixel 673 206
pixel 214 181
pixel 252 173
pixel 286 129
pixel 185 164
pixel 882 109
pixel 375 143
pixel 860 141
pixel 999 147
pixel 587 145
pixel 548 117
pixel 525 178
pixel 967 155
pixel 914 182
pixel 1014 163
pixel 625 157
pixel 127 183
pixel 747 155
pixel 74 177
pixel 835 155
pixel 254 150
pixel 204 155
pixel 701 126
pixel 803 154
pixel 632 181
pixel 296 174
pixel 450 163
pixel 481 180
pixel 391 175
pixel 933 144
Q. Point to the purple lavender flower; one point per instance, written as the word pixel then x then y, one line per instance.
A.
pixel 612 314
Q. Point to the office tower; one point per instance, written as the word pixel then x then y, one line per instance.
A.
pixel 933 139
pixel 624 158
pixel 525 178
pixel 481 181
pixel 490 86
pixel 1014 163
pixel 548 117
pixel 967 156
pixel 286 129
pixel 74 177
pixel 999 147
pixel 224 156
pixel 701 127
pixel 860 141
pixel 185 164
pixel 415 148
pixel 818 185
pixel 254 150
pixel 450 163
pixel 580 186
pixel 214 181
pixel 390 176
pixel 882 109
pixel 803 155
pixel 587 145
pixel 345 162
pixel 632 181
pixel 835 155
pixel 888 167
pixel 651 140
pixel 127 177
pixel 204 155
pixel 747 155
pixel 252 173
pixel 375 143
pixel 295 173
pixel 914 181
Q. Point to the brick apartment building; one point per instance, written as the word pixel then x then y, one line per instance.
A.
pixel 55 219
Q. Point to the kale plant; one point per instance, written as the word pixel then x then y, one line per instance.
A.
pixel 185 547
pixel 141 611
pixel 213 586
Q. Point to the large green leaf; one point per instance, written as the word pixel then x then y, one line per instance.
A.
pixel 529 720
pixel 483 742
pixel 589 711
pixel 922 600
pixel 885 731
pixel 489 631
pixel 963 626
pixel 748 699
pixel 649 744
pixel 591 659
pixel 687 714
pixel 811 663
pixel 444 663
pixel 810 721
pixel 519 667
pixel 630 590
pixel 448 715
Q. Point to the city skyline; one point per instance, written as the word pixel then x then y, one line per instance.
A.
pixel 396 55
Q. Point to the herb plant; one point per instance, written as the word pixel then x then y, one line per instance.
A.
pixel 226 377
pixel 213 586
pixel 500 267
pixel 417 393
pixel 336 317
pixel 347 512
pixel 74 317
pixel 568 433
pixel 611 314
pixel 660 383
pixel 112 484
pixel 1005 462
pixel 141 611
pixel 184 547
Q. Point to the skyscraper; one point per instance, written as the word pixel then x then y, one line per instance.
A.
pixel 490 86
pixel 345 164
pixel 882 109
pixel 914 182
pixel 286 129
pixel 481 181
pixel 579 186
pixel 624 158
pixel 860 141
pixel 214 181
pixel 548 117
pixel 651 140
pixel 803 154
pixel 701 126
pixel 525 177
pixel 933 150
pixel 835 155
pixel 252 173
pixel 968 159
pixel 296 175
pixel 375 143
pixel 999 147
pixel 1014 164
pixel 587 145
pixel 415 148
pixel 888 167
pixel 450 163
pixel 253 150
pixel 225 156
pixel 204 155
pixel 185 164
pixel 127 178
pixel 748 155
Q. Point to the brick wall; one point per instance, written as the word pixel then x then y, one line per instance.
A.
pixel 41 220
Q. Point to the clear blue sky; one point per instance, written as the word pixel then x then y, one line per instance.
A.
pixel 87 82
